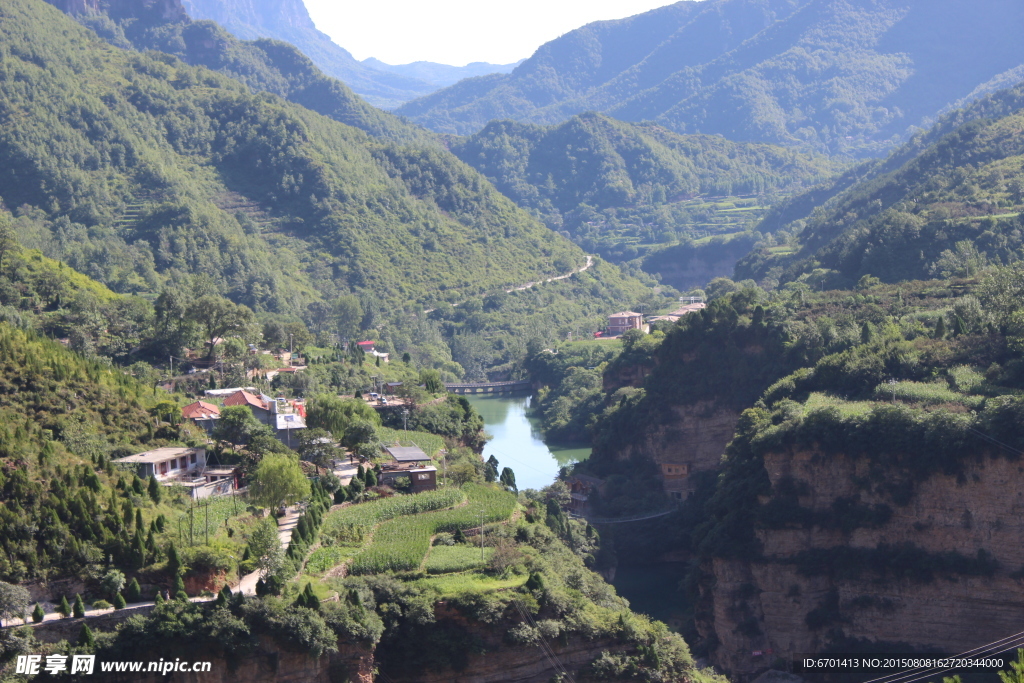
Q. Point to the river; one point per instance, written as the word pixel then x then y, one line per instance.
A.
pixel 518 443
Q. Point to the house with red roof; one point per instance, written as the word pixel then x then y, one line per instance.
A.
pixel 203 414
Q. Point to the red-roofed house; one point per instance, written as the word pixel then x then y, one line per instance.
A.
pixel 244 398
pixel 365 346
pixel 203 414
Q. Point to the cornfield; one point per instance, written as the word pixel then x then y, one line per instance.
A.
pixel 400 544
pixel 352 523
pixel 444 559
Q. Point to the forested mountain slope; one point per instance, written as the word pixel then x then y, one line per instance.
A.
pixel 262 64
pixel 845 77
pixel 143 165
pixel 946 203
pixel 570 174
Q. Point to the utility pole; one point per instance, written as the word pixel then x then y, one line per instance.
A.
pixel 481 536
pixel 892 385
pixel 207 524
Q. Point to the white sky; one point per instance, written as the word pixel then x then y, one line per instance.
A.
pixel 459 31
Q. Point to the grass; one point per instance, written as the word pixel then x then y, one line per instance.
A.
pixel 445 559
pixel 846 408
pixel 400 544
pixel 468 582
pixel 928 393
pixel 326 558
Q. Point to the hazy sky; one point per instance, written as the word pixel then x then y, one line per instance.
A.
pixel 459 31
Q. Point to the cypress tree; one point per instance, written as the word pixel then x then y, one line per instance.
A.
pixel 79 608
pixel 155 490
pixel 361 474
pixel 940 328
pixel 371 478
pixel 173 563
pixel 137 485
pixel 159 599
pixel 138 520
pixel 85 637
pixel 64 608
pixel 38 614
pixel 119 602
pixel 312 602
pixel 866 334
pixel 179 587
pixel 133 593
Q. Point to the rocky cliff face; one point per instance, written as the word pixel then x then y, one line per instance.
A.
pixel 695 438
pixel 770 605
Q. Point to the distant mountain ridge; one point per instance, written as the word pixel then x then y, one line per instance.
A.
pixel 441 75
pixel 830 74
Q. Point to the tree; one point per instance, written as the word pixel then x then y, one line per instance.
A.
pixel 1016 673
pixel 508 479
pixel 940 328
pixel 216 316
pixel 431 380
pixel 119 602
pixel 64 608
pixel 326 411
pixel 8 239
pixel 278 479
pixel 85 637
pixel 179 588
pixel 112 582
pixel 134 591
pixel 14 601
pixel 236 425
pixel 38 614
pixel 79 607
pixel 265 548
pixel 348 313
pixel 317 446
pixel 155 490
pixel 173 562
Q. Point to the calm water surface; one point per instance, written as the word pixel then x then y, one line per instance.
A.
pixel 518 443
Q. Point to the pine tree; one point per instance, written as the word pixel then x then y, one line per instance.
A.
pixel 137 485
pixel 940 328
pixel 155 490
pixel 361 474
pixel 133 593
pixel 79 608
pixel 38 614
pixel 159 599
pixel 138 520
pixel 312 601
pixel 119 601
pixel 64 608
pixel 85 637
pixel 173 563
pixel 179 587
pixel 371 478
pixel 866 334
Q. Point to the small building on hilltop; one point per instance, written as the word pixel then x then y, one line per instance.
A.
pixel 283 416
pixel 412 462
pixel 620 322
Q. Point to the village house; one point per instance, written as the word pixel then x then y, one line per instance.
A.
pixel 283 416
pixel 369 348
pixel 203 414
pixel 186 467
pixel 412 462
pixel 618 323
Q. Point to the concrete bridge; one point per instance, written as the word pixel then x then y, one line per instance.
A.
pixel 489 387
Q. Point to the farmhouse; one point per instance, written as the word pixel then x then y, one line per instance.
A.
pixel 412 462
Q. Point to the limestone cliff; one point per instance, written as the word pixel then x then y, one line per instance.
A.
pixel 925 584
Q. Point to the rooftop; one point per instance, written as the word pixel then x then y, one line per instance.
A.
pixel 160 454
pixel 290 421
pixel 407 453
pixel 200 410
pixel 227 392
pixel 625 314
pixel 244 398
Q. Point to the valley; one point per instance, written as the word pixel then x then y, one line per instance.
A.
pixel 752 269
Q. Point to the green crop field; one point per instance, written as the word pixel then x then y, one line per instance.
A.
pixel 400 544
pixel 468 582
pixel 353 521
pixel 430 443
pixel 445 559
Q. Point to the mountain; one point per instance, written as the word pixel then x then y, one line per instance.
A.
pixel 945 204
pixel 831 74
pixel 623 190
pixel 262 64
pixel 440 75
pixel 289 21
pixel 143 169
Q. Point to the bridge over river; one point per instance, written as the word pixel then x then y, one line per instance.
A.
pixel 517 386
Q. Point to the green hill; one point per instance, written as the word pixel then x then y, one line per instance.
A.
pixel 838 76
pixel 145 166
pixel 945 204
pixel 610 184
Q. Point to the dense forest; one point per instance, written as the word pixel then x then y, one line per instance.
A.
pixel 945 204
pixel 832 75
pixel 615 187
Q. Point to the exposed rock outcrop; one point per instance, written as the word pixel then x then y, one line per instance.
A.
pixel 782 605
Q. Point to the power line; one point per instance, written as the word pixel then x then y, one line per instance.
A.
pixel 995 646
